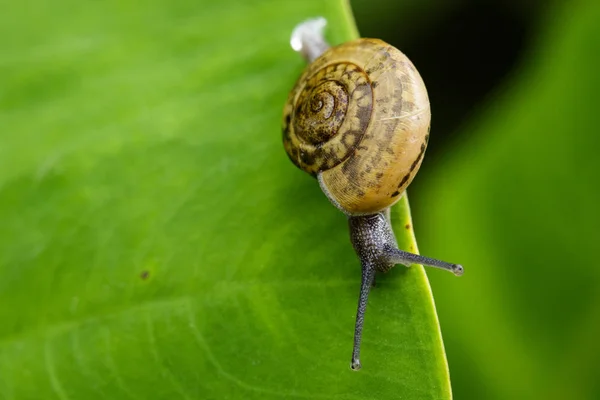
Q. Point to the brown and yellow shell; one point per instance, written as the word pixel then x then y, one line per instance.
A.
pixel 358 118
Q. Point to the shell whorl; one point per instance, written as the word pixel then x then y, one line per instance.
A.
pixel 330 116
pixel 359 117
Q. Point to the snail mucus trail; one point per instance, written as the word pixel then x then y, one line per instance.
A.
pixel 358 121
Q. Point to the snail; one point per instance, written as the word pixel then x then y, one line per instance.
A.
pixel 358 121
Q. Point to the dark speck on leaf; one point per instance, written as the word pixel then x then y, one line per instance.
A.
pixel 407 226
pixel 145 275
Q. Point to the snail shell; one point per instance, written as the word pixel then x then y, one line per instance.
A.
pixel 358 118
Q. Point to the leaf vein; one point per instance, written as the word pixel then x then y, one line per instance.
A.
pixel 50 366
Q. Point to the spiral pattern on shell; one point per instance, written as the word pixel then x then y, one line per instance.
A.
pixel 332 113
pixel 358 119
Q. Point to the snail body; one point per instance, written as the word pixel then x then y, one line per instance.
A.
pixel 358 118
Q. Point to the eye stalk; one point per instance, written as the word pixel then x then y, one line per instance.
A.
pixel 375 244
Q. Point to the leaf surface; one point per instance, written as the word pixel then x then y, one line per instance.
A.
pixel 155 242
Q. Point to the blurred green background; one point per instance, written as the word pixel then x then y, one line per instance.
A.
pixel 510 186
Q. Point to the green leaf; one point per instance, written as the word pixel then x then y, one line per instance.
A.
pixel 156 242
pixel 518 206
